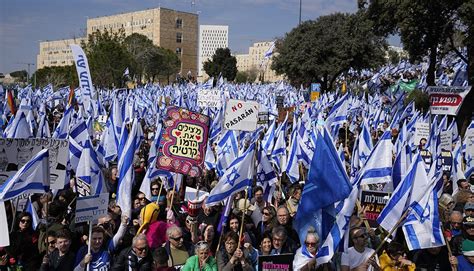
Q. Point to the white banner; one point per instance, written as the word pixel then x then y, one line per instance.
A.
pixel 422 130
pixel 14 153
pixel 240 115
pixel 209 98
pixel 190 194
pixel 84 74
pixel 91 208
pixel 447 100
pixel 4 234
pixel 446 140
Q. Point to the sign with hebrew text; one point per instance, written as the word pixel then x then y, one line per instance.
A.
pixel 183 142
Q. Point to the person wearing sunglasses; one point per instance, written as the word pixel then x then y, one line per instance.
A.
pixel 305 256
pixel 358 256
pixel 137 257
pixel 467 233
pixel 178 250
pixel 62 258
pixel 202 261
pixel 395 258
pixel 24 242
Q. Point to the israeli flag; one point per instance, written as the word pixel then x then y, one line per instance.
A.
pixel 269 138
pixel 19 128
pixel 34 215
pixel 33 177
pixel 227 151
pixel 365 144
pixel 266 177
pixel 269 52
pixel 236 178
pixel 88 170
pixel 378 168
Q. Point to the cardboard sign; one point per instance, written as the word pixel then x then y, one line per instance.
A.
pixel 282 262
pixel 183 142
pixel 209 98
pixel 374 201
pixel 469 141
pixel 240 115
pixel 315 91
pixel 446 100
pixel 446 141
pixel 91 208
pixel 422 130
pixel 263 117
pixel 14 153
pixel 427 157
pixel 446 162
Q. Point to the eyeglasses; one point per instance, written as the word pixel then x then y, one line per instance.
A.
pixel 52 243
pixel 141 249
pixel 141 198
pixel 310 244
pixel 177 238
pixel 264 213
pixel 105 225
pixel 456 223
pixel 155 188
pixel 25 221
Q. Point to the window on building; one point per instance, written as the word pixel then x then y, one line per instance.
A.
pixel 178 50
pixel 179 23
pixel 179 37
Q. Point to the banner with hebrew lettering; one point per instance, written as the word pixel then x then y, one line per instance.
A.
pixel 183 142
pixel 14 153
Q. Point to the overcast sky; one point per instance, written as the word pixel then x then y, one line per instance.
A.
pixel 23 23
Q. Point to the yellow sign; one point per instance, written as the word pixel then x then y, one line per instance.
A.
pixel 314 95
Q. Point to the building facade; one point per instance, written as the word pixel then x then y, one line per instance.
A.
pixel 256 60
pixel 211 37
pixel 170 29
pixel 56 53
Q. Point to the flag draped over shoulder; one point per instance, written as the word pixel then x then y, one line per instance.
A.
pixel 33 177
pixel 327 183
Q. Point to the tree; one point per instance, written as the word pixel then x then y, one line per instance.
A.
pixel 422 25
pixel 58 76
pixel 222 62
pixel 107 57
pixel 246 76
pixel 393 57
pixel 319 51
pixel 142 50
pixel 20 75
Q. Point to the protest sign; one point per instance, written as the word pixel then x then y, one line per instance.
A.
pixel 422 130
pixel 14 153
pixel 279 101
pixel 469 141
pixel 240 115
pixel 446 100
pixel 190 194
pixel 446 160
pixel 209 98
pixel 91 208
pixel 374 202
pixel 315 91
pixel 4 233
pixel 83 74
pixel 282 262
pixel 263 117
pixel 446 140
pixel 183 142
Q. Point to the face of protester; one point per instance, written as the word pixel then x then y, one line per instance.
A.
pixel 209 233
pixel 141 248
pixel 141 197
pixel 278 241
pixel 464 186
pixel 283 216
pixel 25 223
pixel 234 224
pixel 107 224
pixel 259 196
pixel 360 238
pixel 176 239
pixel 469 230
pixel 311 244
pixel 266 215
pixel 456 221
pixel 266 245
pixel 230 246
pixel 136 203
pixel 114 173
pixel 155 189
pixel 63 245
pixel 51 242
pixel 203 254
pixel 97 241
pixel 469 212
pixel 297 195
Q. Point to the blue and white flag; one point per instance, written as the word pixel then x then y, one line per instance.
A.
pixel 266 176
pixel 88 170
pixel 407 194
pixel 34 215
pixel 378 168
pixel 19 127
pixel 269 139
pixel 125 168
pixel 236 178
pixel 327 183
pixel 33 177
pixel 269 52
pixel 365 144
pixel 227 151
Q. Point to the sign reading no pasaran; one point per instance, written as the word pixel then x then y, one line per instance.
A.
pixel 240 115
pixel 92 207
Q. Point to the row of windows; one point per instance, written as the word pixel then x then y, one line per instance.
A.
pixel 141 22
pixel 57 48
pixel 214 31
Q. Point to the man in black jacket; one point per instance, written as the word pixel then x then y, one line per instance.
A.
pixel 137 258
pixel 62 258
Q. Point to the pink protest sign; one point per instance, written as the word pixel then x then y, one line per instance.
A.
pixel 183 142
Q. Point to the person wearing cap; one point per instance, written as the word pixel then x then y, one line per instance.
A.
pixel 467 234
pixel 469 209
pixel 465 261
pixel 358 256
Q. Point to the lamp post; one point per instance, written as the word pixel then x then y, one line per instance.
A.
pixel 300 14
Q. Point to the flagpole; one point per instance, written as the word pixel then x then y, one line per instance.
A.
pixel 89 244
pixel 14 214
pixel 450 252
pixel 391 232
pixel 243 216
pixel 159 193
